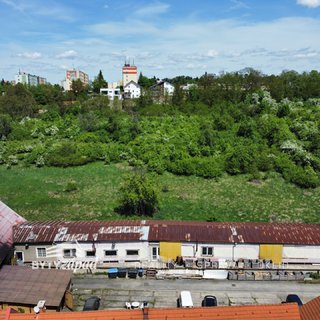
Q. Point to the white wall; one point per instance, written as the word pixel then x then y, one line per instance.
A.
pixel 111 93
pixel 222 251
pixel 134 90
pixel 168 88
pixel 301 252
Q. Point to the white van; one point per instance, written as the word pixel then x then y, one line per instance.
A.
pixel 185 300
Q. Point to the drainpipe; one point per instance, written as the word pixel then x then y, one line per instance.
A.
pixel 233 247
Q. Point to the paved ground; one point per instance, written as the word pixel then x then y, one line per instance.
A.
pixel 164 293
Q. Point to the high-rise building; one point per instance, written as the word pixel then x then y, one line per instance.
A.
pixel 29 79
pixel 72 75
pixel 129 73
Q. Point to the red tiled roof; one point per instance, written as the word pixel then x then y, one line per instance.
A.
pixel 8 218
pixel 259 312
pixel 311 310
pixel 133 230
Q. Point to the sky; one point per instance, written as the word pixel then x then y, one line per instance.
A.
pixel 163 38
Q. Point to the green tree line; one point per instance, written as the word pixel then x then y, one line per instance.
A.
pixel 234 123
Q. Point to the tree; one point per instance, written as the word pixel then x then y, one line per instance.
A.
pixel 138 196
pixel 18 102
pixel 99 83
pixel 178 96
pixel 78 88
pixel 146 82
pixel 5 125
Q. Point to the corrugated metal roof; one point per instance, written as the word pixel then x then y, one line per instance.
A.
pixel 235 232
pixel 23 285
pixel 311 310
pixel 185 231
pixel 55 231
pixel 8 218
pixel 259 312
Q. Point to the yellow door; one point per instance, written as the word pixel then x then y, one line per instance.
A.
pixel 271 251
pixel 170 250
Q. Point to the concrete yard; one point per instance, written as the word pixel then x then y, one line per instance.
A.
pixel 164 293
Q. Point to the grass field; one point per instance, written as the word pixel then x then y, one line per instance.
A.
pixel 40 194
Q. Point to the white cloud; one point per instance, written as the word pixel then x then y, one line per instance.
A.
pixel 48 8
pixel 212 53
pixel 13 5
pixel 309 3
pixel 70 54
pixel 30 55
pixel 126 28
pixel 237 4
pixel 153 9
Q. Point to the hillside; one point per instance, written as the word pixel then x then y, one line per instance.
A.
pixel 225 149
pixel 40 194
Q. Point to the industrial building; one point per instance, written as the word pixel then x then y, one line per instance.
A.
pixel 148 241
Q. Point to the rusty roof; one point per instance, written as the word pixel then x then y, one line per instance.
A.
pixel 64 231
pixel 258 312
pixel 185 231
pixel 8 218
pixel 235 232
pixel 23 285
pixel 311 310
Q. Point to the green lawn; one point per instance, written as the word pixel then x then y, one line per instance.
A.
pixel 39 194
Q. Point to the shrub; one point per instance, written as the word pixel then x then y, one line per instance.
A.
pixel 137 196
pixel 211 167
pixel 71 186
pixel 241 160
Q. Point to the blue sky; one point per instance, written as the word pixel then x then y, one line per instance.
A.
pixel 165 38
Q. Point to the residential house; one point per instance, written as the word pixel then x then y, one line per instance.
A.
pixel 161 91
pixel 132 90
pixel 111 93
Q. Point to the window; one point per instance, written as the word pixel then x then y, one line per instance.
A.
pixel 91 253
pixel 155 253
pixel 207 251
pixel 69 253
pixel 110 252
pixel 41 252
pixel 132 252
pixel 19 256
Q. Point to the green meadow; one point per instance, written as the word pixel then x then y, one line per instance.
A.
pixel 45 194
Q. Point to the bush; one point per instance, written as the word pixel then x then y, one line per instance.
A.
pixel 241 160
pixel 66 154
pixel 71 186
pixel 211 167
pixel 303 177
pixel 137 196
pixel 5 125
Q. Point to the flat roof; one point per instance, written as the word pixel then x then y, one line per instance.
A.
pixel 25 286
